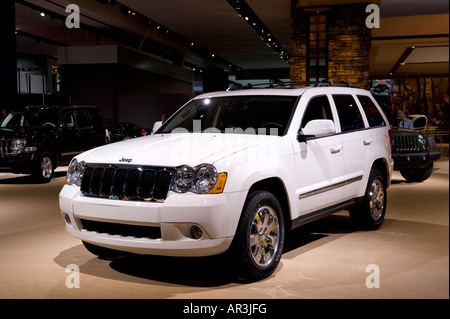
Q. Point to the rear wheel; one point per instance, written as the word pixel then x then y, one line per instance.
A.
pixel 369 214
pixel 259 240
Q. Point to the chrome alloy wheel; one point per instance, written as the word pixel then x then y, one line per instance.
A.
pixel 264 233
pixel 46 167
pixel 376 199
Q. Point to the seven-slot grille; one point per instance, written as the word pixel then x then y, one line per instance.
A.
pixel 406 143
pixel 126 182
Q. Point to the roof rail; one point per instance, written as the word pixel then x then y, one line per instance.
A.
pixel 341 83
pixel 279 84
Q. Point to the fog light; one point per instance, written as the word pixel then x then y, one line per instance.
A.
pixel 196 232
pixel 67 219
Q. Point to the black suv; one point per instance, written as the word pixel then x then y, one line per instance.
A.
pixel 36 139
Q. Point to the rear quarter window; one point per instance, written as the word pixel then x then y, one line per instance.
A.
pixel 373 115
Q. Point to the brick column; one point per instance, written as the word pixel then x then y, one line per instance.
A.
pixel 348 43
pixel 298 43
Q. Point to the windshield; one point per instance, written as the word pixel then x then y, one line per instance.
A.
pixel 266 115
pixel 23 119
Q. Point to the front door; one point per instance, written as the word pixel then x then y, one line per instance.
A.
pixel 319 161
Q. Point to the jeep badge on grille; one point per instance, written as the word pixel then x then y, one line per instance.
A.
pixel 125 160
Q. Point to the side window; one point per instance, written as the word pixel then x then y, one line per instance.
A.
pixel 69 120
pixel 373 115
pixel 348 111
pixel 83 120
pixel 318 109
pixel 96 118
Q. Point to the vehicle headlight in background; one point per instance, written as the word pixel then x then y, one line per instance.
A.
pixel 422 140
pixel 202 179
pixel 18 145
pixel 75 172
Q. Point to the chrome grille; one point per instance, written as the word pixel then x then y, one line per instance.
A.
pixel 5 147
pixel 126 182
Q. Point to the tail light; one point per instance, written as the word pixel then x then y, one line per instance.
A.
pixel 390 138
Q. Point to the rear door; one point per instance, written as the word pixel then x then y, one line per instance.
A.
pixel 68 138
pixel 356 139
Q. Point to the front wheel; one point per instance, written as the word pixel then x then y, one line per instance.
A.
pixel 418 174
pixel 259 239
pixel 44 168
pixel 369 214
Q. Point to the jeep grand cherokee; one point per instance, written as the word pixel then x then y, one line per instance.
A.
pixel 232 172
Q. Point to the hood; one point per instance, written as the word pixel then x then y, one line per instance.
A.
pixel 172 150
pixel 18 132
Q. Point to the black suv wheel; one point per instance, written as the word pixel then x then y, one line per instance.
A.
pixel 44 168
pixel 418 174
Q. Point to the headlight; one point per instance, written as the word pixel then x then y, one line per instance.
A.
pixel 75 172
pixel 183 179
pixel 421 139
pixel 18 145
pixel 200 179
pixel 205 178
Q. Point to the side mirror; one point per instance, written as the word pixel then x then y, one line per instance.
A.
pixel 316 128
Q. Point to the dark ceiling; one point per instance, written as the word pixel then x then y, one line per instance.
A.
pixel 215 33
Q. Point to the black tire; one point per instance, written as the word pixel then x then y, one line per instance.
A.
pixel 369 214
pixel 102 252
pixel 44 168
pixel 258 244
pixel 417 174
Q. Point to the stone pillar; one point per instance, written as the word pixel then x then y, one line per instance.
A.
pixel 298 43
pixel 348 43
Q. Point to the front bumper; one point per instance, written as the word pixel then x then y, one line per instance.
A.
pixel 20 163
pixel 414 160
pixel 154 228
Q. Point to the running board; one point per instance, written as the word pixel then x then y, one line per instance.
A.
pixel 311 217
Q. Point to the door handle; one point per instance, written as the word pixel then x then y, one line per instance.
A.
pixel 336 149
pixel 367 142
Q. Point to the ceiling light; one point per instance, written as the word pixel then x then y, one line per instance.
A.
pixel 42 14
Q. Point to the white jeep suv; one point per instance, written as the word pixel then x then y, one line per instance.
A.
pixel 232 172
